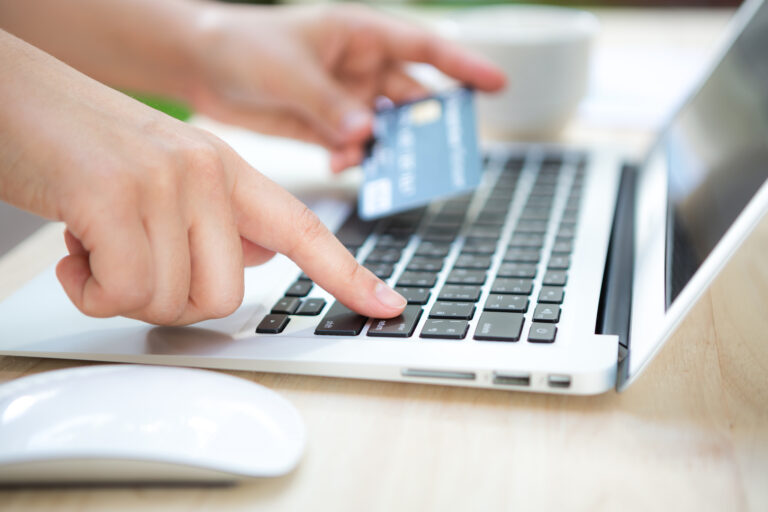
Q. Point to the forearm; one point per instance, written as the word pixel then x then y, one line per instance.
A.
pixel 142 45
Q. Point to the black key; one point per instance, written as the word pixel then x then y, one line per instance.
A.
pixel 311 307
pixel 536 213
pixel 414 295
pixel 393 241
pixel 546 313
pixel 527 240
pixel 516 255
pixel 510 303
pixel 559 263
pixel 466 276
pixel 460 293
pixel 341 321
pixel 555 278
pixel 494 326
pixel 452 219
pixel 399 327
pixel 532 226
pixel 566 232
pixel 354 231
pixel 299 289
pixel 472 261
pixel 484 232
pixel 479 246
pixel 417 279
pixel 455 310
pixel 303 277
pixel 384 255
pixel 562 247
pixel 352 249
pixel 380 270
pixel 540 201
pixel 286 305
pixel 551 295
pixel 519 270
pixel 425 264
pixel 445 329
pixel 542 333
pixel 272 324
pixel 512 286
pixel 441 235
pixel 490 219
pixel 433 250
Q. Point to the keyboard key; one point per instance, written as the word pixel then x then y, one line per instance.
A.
pixel 551 295
pixel 455 310
pixel 341 321
pixel 519 270
pixel 522 255
pixel 510 303
pixel 354 231
pixel 532 226
pixel 445 329
pixel 417 279
pixel 562 247
pixel 459 293
pixel 399 327
pixel 299 289
pixel 494 326
pixel 546 313
pixel 473 261
pixel 380 270
pixel 484 232
pixel 484 246
pixel 466 276
pixel 286 305
pixel 425 264
pixel 311 307
pixel 393 241
pixel 566 232
pixel 490 219
pixel 559 263
pixel 273 324
pixel 555 278
pixel 384 255
pixel 414 295
pixel 535 213
pixel 542 333
pixel 527 240
pixel 303 277
pixel 512 286
pixel 433 250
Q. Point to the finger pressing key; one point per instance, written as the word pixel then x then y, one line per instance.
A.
pixel 269 216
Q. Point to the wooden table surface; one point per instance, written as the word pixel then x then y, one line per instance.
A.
pixel 691 433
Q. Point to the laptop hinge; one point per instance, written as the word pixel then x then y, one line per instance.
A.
pixel 616 294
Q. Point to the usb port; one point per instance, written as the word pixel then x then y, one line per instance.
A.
pixel 559 381
pixel 511 379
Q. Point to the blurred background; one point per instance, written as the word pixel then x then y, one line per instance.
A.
pixel 625 92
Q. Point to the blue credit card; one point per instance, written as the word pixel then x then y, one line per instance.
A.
pixel 421 151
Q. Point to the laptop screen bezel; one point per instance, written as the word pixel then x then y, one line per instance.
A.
pixel 652 322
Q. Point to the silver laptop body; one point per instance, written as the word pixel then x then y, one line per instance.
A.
pixel 649 240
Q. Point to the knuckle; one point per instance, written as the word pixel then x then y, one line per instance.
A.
pixel 309 229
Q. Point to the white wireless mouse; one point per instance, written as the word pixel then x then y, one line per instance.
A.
pixel 131 423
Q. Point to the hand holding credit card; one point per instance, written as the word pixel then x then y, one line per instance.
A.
pixel 422 151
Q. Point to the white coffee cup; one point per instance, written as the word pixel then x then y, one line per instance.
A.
pixel 545 52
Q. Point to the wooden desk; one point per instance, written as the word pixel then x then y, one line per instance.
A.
pixel 691 433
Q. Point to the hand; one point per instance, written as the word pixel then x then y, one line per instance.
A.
pixel 313 73
pixel 161 216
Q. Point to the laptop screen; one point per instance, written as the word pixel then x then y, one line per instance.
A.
pixel 717 153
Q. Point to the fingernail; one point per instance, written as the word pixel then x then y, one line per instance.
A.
pixel 389 297
pixel 356 121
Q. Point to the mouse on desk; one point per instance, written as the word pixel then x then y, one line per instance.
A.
pixel 137 424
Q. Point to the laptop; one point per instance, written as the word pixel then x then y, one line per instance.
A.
pixel 565 271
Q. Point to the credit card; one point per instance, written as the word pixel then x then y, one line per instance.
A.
pixel 421 151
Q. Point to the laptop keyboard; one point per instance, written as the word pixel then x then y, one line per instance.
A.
pixel 500 255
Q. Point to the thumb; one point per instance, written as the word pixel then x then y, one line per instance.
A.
pixel 332 109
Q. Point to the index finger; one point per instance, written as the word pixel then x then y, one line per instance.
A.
pixel 404 41
pixel 271 217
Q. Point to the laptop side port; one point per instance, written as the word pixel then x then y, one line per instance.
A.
pixel 437 374
pixel 512 379
pixel 559 381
